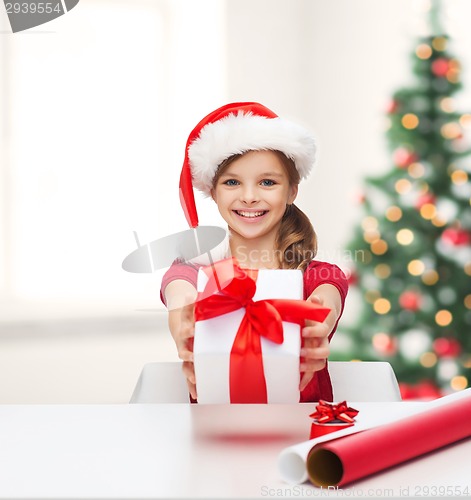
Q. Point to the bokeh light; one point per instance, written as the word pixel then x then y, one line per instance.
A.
pixel 393 213
pixel 403 186
pixel 443 317
pixel 423 51
pixel 428 211
pixel 459 383
pixel 410 121
pixel 382 306
pixel 428 359
pixel 383 271
pixel 405 236
pixel 416 170
pixel 379 247
pixel 430 277
pixel 416 267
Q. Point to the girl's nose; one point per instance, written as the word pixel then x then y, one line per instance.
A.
pixel 249 195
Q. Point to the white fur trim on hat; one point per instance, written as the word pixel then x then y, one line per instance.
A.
pixel 237 134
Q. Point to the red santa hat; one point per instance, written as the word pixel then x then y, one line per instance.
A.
pixel 235 129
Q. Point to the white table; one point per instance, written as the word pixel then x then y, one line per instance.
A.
pixel 185 451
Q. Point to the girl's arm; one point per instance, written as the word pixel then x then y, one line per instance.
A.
pixel 316 336
pixel 180 296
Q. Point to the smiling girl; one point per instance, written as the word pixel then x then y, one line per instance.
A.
pixel 251 162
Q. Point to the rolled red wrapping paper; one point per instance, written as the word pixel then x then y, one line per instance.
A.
pixel 343 460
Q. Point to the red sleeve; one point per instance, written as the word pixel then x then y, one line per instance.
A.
pixel 322 273
pixel 178 271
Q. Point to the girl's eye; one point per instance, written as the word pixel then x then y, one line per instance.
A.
pixel 231 182
pixel 268 182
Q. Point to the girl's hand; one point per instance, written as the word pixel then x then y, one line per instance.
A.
pixel 184 337
pixel 181 322
pixel 315 346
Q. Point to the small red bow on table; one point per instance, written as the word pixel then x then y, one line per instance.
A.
pixel 330 412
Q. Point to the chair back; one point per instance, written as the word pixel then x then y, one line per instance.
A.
pixel 372 381
pixel 163 382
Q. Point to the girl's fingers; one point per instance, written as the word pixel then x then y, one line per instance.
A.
pixel 187 321
pixel 311 366
pixel 314 356
pixel 316 299
pixel 308 371
pixel 189 372
pixel 315 330
pixel 191 389
pixel 315 353
pixel 187 330
pixel 305 379
pixel 311 342
pixel 185 355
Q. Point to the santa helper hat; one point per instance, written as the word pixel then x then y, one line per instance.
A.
pixel 237 128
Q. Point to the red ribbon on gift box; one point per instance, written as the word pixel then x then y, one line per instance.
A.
pixel 231 288
pixel 329 412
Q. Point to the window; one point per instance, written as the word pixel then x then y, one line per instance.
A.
pixel 96 109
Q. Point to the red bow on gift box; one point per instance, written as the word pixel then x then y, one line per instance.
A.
pixel 330 412
pixel 231 288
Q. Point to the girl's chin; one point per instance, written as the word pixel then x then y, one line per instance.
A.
pixel 248 232
pixel 244 232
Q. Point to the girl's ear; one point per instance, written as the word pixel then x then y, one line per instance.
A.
pixel 213 194
pixel 293 192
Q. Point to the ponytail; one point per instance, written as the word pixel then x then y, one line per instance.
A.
pixel 296 241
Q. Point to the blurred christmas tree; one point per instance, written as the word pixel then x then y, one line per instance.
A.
pixel 412 250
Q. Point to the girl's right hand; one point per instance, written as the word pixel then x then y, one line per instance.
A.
pixel 182 328
pixel 180 297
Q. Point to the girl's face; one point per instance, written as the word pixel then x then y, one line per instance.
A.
pixel 252 194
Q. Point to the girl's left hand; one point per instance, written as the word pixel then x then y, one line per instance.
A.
pixel 315 346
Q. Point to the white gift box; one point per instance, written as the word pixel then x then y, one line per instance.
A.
pixel 214 339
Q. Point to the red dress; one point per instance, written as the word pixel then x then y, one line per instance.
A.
pixel 317 273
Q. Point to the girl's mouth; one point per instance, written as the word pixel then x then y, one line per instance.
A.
pixel 253 215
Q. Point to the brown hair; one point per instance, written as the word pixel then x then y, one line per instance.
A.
pixel 296 241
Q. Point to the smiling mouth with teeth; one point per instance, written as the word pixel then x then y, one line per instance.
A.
pixel 250 215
